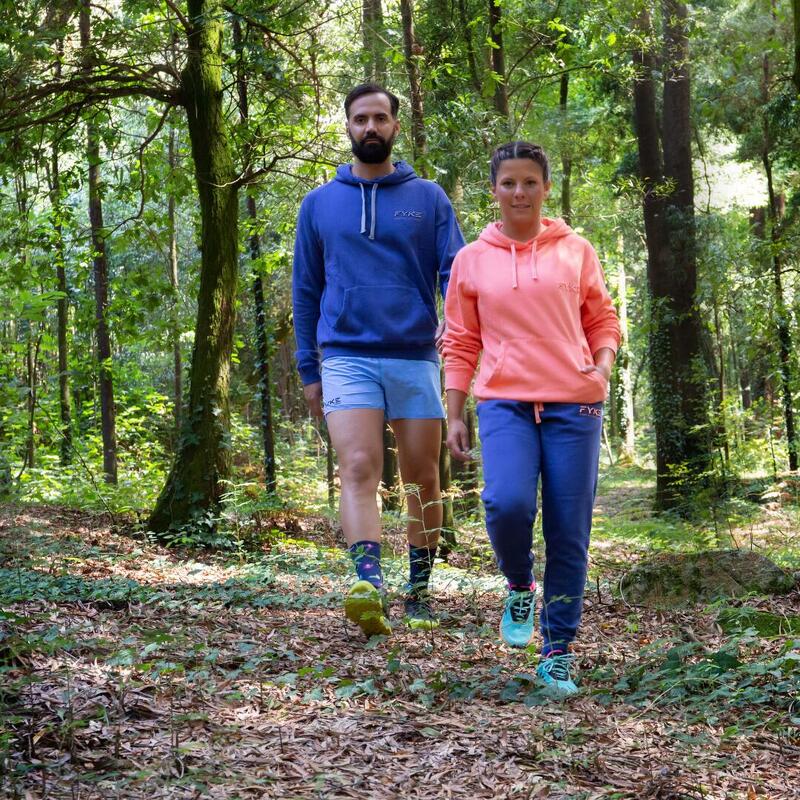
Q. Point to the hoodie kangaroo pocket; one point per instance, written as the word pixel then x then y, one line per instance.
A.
pixel 385 315
pixel 542 368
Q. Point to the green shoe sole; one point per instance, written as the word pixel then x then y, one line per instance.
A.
pixel 364 606
pixel 422 624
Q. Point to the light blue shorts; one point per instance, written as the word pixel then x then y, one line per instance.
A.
pixel 403 389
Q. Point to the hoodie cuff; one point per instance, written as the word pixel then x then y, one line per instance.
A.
pixel 457 379
pixel 611 342
pixel 309 375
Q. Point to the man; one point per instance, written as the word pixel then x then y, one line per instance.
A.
pixel 370 245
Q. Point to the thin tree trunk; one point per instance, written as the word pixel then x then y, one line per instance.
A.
pixel 62 305
pixel 628 448
pixel 782 320
pixel 100 271
pixel 175 331
pixel 498 58
pixel 566 161
pixel 447 541
pixel 796 14
pixel 203 461
pixel 412 51
pixel 262 335
pixel 21 192
pixel 62 309
pixel 466 30
pixel 391 492
pixel 372 24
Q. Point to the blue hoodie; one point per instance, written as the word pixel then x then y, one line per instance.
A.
pixel 366 257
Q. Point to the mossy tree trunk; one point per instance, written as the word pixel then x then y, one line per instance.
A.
pixel 203 461
pixel 680 413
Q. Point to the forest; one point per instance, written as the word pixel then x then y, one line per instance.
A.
pixel 171 559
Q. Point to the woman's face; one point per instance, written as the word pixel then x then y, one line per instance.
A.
pixel 520 191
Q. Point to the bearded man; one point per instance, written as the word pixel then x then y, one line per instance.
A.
pixel 371 246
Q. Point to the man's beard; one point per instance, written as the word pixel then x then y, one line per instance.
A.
pixel 375 151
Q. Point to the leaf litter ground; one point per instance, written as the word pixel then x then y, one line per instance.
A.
pixel 132 671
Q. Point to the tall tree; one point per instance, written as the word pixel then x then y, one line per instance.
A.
pixel 203 459
pixel 412 51
pixel 677 376
pixel 262 343
pixel 374 41
pixel 175 328
pixel 498 58
pixel 100 268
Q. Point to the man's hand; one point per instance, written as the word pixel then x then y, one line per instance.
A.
pixel 458 440
pixel 441 330
pixel 313 394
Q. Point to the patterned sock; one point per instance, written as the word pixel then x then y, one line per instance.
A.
pixel 420 561
pixel 366 557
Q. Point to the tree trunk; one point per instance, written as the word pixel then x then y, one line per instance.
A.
pixel 262 335
pixel 391 492
pixel 62 305
pixel 678 389
pixel 447 541
pixel 498 58
pixel 203 461
pixel 796 75
pixel 21 196
pixel 628 445
pixel 62 308
pixel 175 326
pixel 566 160
pixel 100 272
pixel 372 22
pixel 412 51
pixel 466 31
pixel 782 320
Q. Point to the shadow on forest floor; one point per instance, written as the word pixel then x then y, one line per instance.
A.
pixel 131 671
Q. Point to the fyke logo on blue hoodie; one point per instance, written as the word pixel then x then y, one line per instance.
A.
pixel 408 214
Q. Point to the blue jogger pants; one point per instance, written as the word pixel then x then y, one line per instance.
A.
pixel 559 442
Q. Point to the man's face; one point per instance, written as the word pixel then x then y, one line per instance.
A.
pixel 372 128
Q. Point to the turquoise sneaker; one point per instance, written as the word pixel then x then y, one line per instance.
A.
pixel 516 626
pixel 557 672
pixel 366 606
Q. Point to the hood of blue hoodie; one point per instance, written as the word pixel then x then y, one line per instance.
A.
pixel 368 257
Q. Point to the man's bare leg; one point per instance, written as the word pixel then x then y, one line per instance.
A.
pixel 357 437
pixel 418 443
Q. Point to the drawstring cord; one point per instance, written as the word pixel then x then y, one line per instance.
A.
pixel 537 409
pixel 513 266
pixel 534 270
pixel 364 210
pixel 372 225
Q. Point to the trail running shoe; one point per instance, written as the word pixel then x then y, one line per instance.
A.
pixel 557 672
pixel 516 626
pixel 419 614
pixel 366 606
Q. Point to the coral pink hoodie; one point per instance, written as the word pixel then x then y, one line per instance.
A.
pixel 538 310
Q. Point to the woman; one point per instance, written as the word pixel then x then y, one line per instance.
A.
pixel 530 295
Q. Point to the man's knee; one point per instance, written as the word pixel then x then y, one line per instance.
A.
pixel 360 468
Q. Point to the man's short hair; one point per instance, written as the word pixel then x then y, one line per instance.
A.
pixel 518 150
pixel 370 88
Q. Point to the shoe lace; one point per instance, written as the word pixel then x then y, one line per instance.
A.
pixel 520 605
pixel 559 666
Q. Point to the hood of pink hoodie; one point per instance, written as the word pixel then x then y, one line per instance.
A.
pixel 550 231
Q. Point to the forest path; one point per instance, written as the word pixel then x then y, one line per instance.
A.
pixel 129 671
